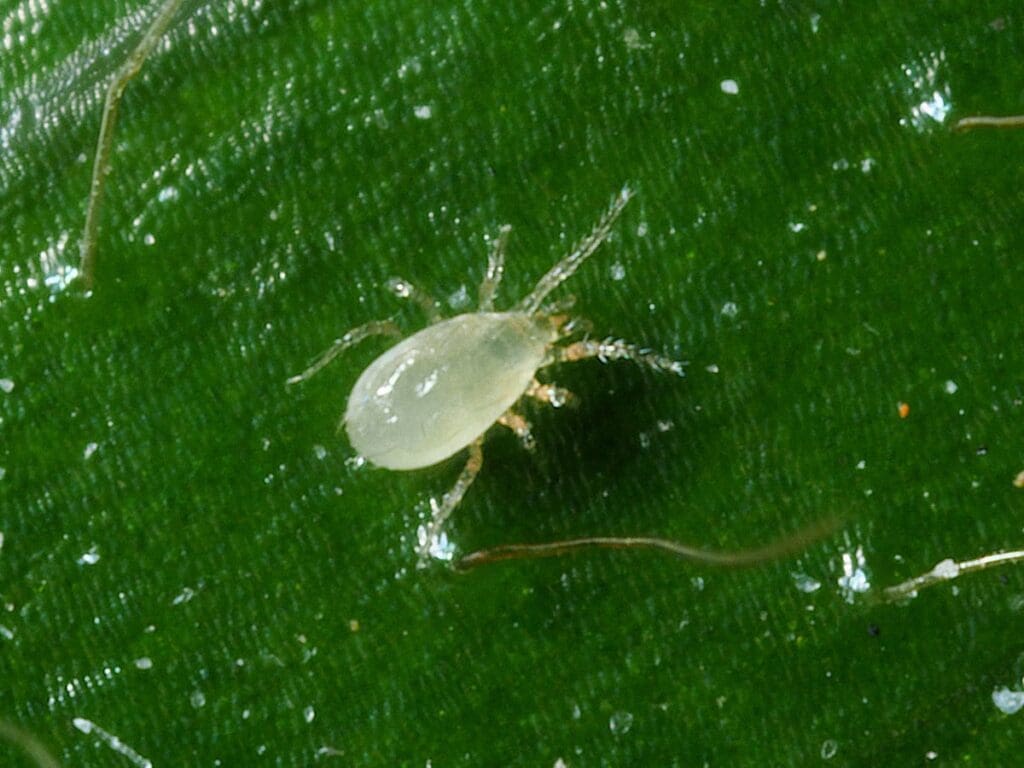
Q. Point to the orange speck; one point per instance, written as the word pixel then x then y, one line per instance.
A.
pixel 904 410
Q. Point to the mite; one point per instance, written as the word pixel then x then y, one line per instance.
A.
pixel 438 391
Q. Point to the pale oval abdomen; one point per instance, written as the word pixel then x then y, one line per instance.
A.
pixel 437 391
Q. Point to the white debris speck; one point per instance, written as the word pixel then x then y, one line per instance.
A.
pixel 1008 702
pixel 197 699
pixel 459 299
pixel 6 633
pixel 309 714
pixel 319 451
pixel 560 763
pixel 815 22
pixel 89 558
pixel 867 164
pixel 616 271
pixel 148 239
pixel 184 596
pixel 713 368
pixel 861 464
pixel 946 569
pixel 806 583
pixel 729 309
pixel 144 663
pixel 423 111
pixel 797 226
pixel 90 449
pixel 730 87
pixel 631 37
pixel 167 194
pixel 854 580
pixel 620 722
pixel 951 387
pixel 355 462
pixel 90 728
pixel 6 386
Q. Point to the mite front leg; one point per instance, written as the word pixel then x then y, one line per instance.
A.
pixel 495 269
pixel 615 349
pixel 431 539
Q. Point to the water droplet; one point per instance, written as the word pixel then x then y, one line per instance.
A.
pixel 1008 702
pixel 423 111
pixel 729 309
pixel 828 749
pixel 197 699
pixel 144 663
pixel 89 558
pixel 90 449
pixel 730 87
pixel 806 583
pixel 951 387
pixel 6 385
pixel 616 271
pixel 309 714
pixel 620 722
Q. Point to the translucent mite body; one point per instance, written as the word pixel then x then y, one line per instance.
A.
pixel 440 390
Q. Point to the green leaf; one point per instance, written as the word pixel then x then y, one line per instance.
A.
pixel 195 571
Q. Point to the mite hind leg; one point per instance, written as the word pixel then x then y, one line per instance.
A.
pixel 495 269
pixel 614 349
pixel 519 426
pixel 550 394
pixel 432 542
pixel 350 339
pixel 403 289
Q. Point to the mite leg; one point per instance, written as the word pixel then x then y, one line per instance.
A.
pixel 403 289
pixel 520 427
pixel 432 541
pixel 565 268
pixel 550 394
pixel 105 142
pixel 495 269
pixel 614 349
pixel 350 339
